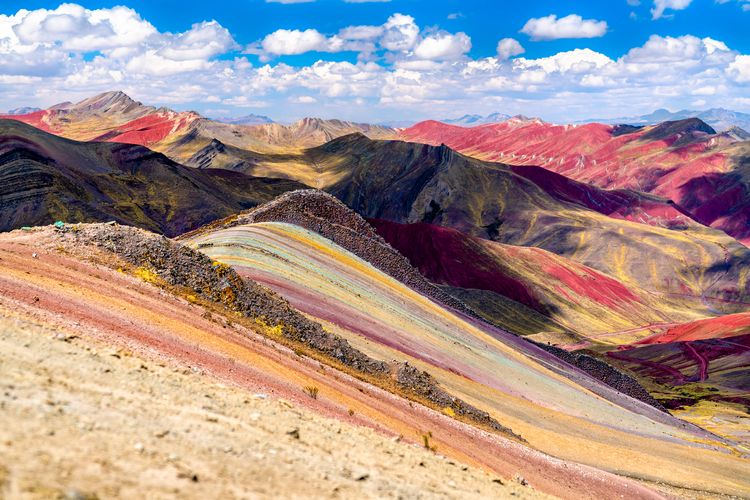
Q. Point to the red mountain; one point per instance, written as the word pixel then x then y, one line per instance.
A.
pixel 685 161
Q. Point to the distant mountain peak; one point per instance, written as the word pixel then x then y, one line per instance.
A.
pixel 678 128
pixel 251 119
pixel 720 119
pixel 108 100
pixel 737 133
pixel 25 110
pixel 472 120
pixel 61 106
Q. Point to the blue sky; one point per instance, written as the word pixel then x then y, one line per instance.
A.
pixel 385 60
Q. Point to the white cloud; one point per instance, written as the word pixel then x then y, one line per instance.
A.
pixel 203 41
pixel 660 6
pixel 739 69
pixel 303 99
pixel 361 32
pixel 707 90
pixel 400 33
pixel 52 42
pixel 155 64
pixel 575 61
pixel 443 46
pixel 684 51
pixel 399 38
pixel 76 28
pixel 400 70
pixel 509 47
pixel 292 42
pixel 571 26
pixel 245 102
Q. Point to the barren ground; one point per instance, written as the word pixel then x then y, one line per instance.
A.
pixel 79 419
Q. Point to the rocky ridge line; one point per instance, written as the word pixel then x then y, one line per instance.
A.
pixel 182 267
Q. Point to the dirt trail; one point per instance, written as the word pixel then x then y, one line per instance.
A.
pixel 97 303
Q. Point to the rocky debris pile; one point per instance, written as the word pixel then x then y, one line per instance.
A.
pixel 182 267
pixel 420 382
pixel 324 214
pixel 605 373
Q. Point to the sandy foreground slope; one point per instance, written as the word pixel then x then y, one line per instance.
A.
pixel 79 418
pixel 84 408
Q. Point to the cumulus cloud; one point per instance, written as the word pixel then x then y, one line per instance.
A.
pixel 575 61
pixel 739 69
pixel 203 41
pixel 660 6
pixel 53 42
pixel 570 26
pixel 443 46
pixel 400 32
pixel 509 47
pixel 76 28
pixel 292 42
pixel 401 69
pixel 399 37
pixel 683 51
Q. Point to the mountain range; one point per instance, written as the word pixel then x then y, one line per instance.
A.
pixel 535 297
pixel 719 118
pixel 685 161
pixel 471 120
pixel 250 119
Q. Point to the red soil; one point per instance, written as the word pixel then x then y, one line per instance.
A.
pixel 721 362
pixel 693 173
pixel 149 129
pixel 627 205
pixel 712 328
pixel 38 119
pixel 591 284
pixel 447 256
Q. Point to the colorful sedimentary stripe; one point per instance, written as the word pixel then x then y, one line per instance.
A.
pixel 522 387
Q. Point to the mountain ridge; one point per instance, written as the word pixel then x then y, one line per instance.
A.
pixel 720 118
pixel 47 178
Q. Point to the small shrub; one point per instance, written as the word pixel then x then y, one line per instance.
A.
pixel 426 441
pixel 351 412
pixel 311 391
pixel 274 331
pixel 147 275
